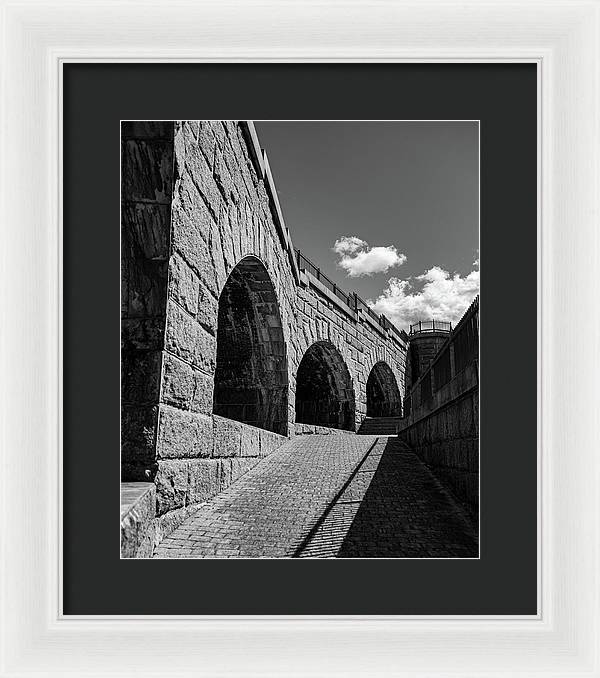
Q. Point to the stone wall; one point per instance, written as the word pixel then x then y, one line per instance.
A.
pixel 228 305
pixel 359 343
pixel 442 422
pixel 147 186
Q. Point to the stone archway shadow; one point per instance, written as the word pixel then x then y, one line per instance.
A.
pixel 251 376
pixel 324 390
pixel 383 394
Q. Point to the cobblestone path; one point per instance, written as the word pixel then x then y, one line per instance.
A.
pixel 325 497
pixel 269 511
pixel 392 507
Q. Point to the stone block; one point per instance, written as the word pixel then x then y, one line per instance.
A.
pixel 224 180
pixel 204 480
pixel 143 333
pixel 179 382
pixel 270 441
pixel 147 170
pixel 184 285
pixel 218 129
pixel 140 376
pixel 183 434
pixel 147 225
pixel 208 310
pixel 185 387
pixel 250 441
pixel 145 292
pixel 188 340
pixel 191 231
pixel 202 400
pixel 202 177
pixel 227 436
pixel 138 433
pixel 172 483
pixel 207 141
pixel 190 131
pixel 138 506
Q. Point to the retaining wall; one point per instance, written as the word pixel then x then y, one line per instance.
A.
pixel 442 422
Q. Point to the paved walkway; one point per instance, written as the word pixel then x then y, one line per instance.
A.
pixel 392 507
pixel 329 496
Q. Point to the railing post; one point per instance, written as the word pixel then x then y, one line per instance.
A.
pixel 452 360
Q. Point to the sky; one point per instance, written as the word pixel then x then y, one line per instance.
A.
pixel 386 209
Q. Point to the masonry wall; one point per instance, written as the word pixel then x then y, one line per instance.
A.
pixel 360 344
pixel 442 422
pixel 222 208
pixel 220 214
pixel 147 183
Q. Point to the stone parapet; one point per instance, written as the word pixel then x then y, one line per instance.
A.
pixel 138 502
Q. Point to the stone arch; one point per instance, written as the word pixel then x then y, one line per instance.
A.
pixel 383 394
pixel 251 376
pixel 324 390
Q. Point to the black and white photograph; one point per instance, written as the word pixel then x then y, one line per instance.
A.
pixel 329 458
pixel 300 339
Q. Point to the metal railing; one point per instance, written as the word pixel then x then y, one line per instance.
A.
pixel 315 271
pixel 430 326
pixel 351 299
pixel 362 304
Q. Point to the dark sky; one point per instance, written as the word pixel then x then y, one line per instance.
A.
pixel 412 185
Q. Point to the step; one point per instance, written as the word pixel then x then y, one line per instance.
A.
pixel 379 425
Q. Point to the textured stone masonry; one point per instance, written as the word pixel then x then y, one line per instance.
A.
pixel 443 428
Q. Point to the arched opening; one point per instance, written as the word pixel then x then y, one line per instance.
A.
pixel 251 377
pixel 324 392
pixel 383 394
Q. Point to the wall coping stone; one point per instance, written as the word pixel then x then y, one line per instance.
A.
pixel 318 285
pixel 138 510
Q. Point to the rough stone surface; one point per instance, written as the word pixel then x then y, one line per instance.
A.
pixel 184 434
pixel 442 425
pixel 137 514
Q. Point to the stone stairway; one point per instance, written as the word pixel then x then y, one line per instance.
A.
pixel 379 426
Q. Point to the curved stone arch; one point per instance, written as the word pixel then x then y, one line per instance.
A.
pixel 278 275
pixel 324 393
pixel 251 382
pixel 383 397
pixel 302 341
pixel 382 353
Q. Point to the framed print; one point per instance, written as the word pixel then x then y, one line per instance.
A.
pixel 277 417
pixel 258 394
pixel 346 409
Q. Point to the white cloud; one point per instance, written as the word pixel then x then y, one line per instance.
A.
pixel 442 297
pixel 358 259
pixel 348 244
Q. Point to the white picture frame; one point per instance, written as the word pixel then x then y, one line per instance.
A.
pixel 562 38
